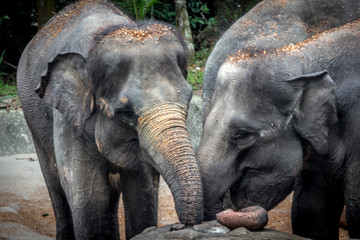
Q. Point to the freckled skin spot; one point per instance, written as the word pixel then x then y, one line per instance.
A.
pixel 124 99
pixel 66 174
pixel 98 145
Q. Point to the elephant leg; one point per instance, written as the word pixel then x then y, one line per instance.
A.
pixel 352 172
pixel 93 195
pixel 140 197
pixel 352 199
pixel 93 200
pixel 316 207
pixel 64 226
pixel 88 184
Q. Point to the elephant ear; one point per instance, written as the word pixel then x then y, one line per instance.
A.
pixel 315 110
pixel 66 86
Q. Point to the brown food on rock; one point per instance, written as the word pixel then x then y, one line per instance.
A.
pixel 253 218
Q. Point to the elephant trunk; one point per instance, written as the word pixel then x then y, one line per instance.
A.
pixel 163 133
pixel 213 179
pixel 213 200
pixel 213 205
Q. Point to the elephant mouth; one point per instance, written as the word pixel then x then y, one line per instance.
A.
pixel 250 190
pixel 236 199
pixel 227 201
pixel 218 204
pixel 247 215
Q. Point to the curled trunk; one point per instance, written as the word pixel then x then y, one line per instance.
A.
pixel 253 218
pixel 162 132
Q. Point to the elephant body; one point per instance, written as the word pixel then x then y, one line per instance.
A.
pixel 106 102
pixel 282 116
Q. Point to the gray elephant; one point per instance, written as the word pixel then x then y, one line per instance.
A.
pixel 106 101
pixel 275 111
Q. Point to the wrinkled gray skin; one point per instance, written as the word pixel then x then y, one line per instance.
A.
pixel 264 114
pixel 107 113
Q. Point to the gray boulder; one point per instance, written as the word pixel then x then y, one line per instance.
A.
pixel 211 230
pixel 15 135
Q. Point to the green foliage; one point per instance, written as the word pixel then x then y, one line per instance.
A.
pixel 2 18
pixel 195 79
pixel 200 57
pixel 234 9
pixel 8 89
pixel 251 4
pixel 196 68
pixel 2 57
pixel 198 13
pixel 164 11
pixel 141 9
pixel 7 82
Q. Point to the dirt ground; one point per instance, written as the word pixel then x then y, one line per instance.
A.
pixel 36 213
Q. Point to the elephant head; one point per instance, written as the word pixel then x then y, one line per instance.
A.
pixel 130 96
pixel 263 114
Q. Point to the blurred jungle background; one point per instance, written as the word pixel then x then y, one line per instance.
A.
pixel 201 22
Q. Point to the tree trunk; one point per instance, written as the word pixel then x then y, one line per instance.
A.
pixel 45 10
pixel 182 23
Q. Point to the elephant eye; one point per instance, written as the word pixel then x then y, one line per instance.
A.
pixel 241 134
pixel 126 116
pixel 243 138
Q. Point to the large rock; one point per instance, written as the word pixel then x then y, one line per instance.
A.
pixel 15 135
pixel 211 231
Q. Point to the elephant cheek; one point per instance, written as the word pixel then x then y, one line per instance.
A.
pixel 117 144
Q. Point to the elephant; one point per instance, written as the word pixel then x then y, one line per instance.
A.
pixel 282 116
pixel 106 100
pixel 273 24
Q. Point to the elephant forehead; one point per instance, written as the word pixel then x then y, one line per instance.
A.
pixel 237 87
pixel 244 77
pixel 228 73
pixel 154 32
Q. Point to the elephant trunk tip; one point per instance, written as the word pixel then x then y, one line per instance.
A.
pixel 189 206
pixel 253 218
pixel 191 216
